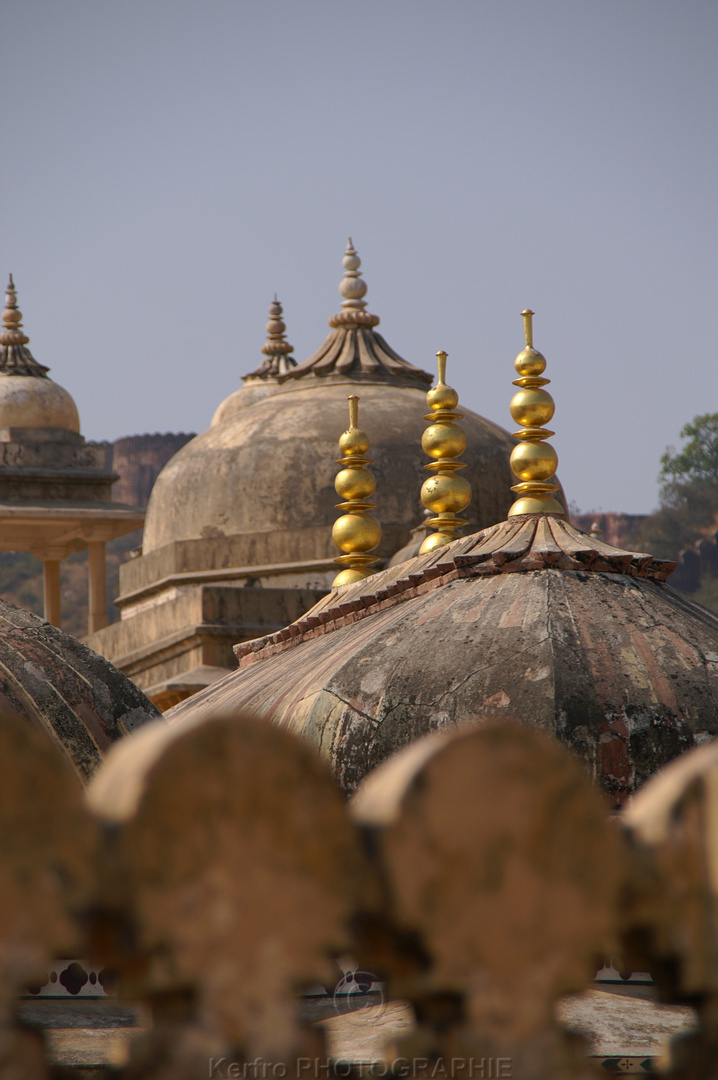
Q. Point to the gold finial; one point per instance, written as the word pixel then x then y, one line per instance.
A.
pixel 12 333
pixel 533 461
pixel 444 494
pixel 356 532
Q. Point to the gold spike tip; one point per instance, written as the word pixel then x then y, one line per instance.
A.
pixel 442 398
pixel 529 361
pixel 353 442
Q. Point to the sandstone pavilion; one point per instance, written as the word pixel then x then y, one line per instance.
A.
pixel 55 488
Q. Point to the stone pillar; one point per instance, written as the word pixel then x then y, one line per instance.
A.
pixel 97 600
pixel 51 589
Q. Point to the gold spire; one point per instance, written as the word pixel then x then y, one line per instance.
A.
pixel 444 494
pixel 356 532
pixel 533 461
pixel 15 358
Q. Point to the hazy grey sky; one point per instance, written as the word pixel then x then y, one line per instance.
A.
pixel 169 165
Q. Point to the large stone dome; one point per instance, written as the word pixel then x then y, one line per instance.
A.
pixel 28 398
pixel 269 466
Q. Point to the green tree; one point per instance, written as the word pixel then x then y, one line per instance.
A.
pixel 697 461
pixel 689 492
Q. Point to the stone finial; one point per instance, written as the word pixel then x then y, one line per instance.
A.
pixel 534 460
pixel 15 357
pixel 353 289
pixel 356 532
pixel 276 348
pixel 12 332
pixel 353 286
pixel 276 343
pixel 444 494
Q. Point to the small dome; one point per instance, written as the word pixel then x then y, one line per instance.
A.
pixel 26 401
pixel 63 688
pixel 28 398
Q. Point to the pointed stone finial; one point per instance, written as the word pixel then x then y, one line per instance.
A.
pixel 353 289
pixel 353 286
pixel 276 343
pixel 355 532
pixel 444 494
pixel 276 348
pixel 533 461
pixel 15 357
pixel 12 332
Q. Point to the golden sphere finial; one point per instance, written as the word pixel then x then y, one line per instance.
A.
pixel 12 332
pixel 444 493
pixel 533 461
pixel 356 532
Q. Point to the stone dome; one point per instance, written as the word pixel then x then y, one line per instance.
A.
pixel 61 687
pixel 531 620
pixel 270 465
pixel 29 402
pixel 28 398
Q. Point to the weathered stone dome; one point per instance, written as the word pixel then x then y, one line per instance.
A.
pixel 28 398
pixel 61 687
pixel 26 401
pixel 269 467
pixel 530 619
